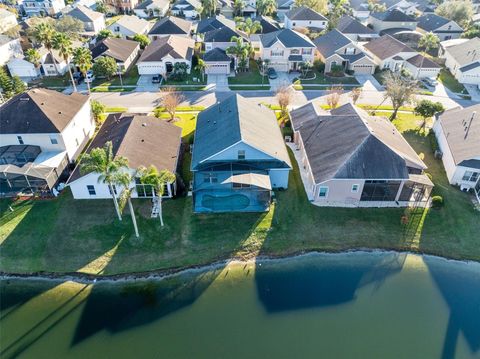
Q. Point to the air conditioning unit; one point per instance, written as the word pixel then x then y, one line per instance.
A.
pixel 465 188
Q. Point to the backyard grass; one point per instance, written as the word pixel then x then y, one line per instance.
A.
pixel 186 121
pixel 251 77
pixel 447 79
pixel 66 235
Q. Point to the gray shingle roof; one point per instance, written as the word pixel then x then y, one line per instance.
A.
pixel 85 14
pixel 268 24
pixel 466 52
pixel 422 61
pixel 463 145
pixel 176 46
pixel 156 3
pixel 119 49
pixel 213 23
pixel 331 42
pixel 216 55
pixel 386 46
pixel 348 143
pixel 349 25
pixel 287 37
pixel 431 22
pixel 223 34
pixel 133 23
pixel 304 13
pixel 171 25
pixel 393 15
pixel 233 120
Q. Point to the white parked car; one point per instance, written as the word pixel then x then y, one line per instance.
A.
pixel 431 81
pixel 90 76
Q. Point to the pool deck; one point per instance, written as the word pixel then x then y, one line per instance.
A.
pixel 257 201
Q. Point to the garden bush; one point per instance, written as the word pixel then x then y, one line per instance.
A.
pixel 437 201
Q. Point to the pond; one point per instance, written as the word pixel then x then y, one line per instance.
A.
pixel 350 305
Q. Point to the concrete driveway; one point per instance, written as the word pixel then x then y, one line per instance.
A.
pixel 281 80
pixel 217 82
pixel 369 83
pixel 144 84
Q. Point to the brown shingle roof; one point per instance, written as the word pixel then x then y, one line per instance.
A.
pixel 119 49
pixel 176 46
pixel 386 46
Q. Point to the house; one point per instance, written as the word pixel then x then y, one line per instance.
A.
pixel 43 7
pixel 22 68
pixel 304 17
pixel 160 57
pixel 214 23
pixel 221 38
pixel 225 8
pixel 389 53
pixel 186 8
pixel 129 25
pixel 136 138
pixel 350 159
pixel 458 133
pixel 238 157
pixel 93 21
pixel 285 49
pixel 9 48
pixel 421 67
pixel 124 6
pixel 268 24
pixel 407 7
pixel 124 52
pixel 360 9
pixel 391 20
pixel 249 8
pixel 217 62
pixel 170 26
pixel 8 20
pixel 41 132
pixel 463 60
pixel 284 6
pixel 354 29
pixel 56 65
pixel 150 8
pixel 335 49
pixel 444 28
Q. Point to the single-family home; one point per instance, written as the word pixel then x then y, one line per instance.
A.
pixel 225 8
pixel 9 49
pixel 249 8
pixel 144 141
pixel 160 57
pixel 354 29
pixel 350 159
pixel 41 132
pixel 8 20
pixel 42 7
pixel 93 21
pixel 360 9
pixel 420 67
pixel 188 9
pixel 335 49
pixel 214 23
pixel 170 25
pixel 124 6
pixel 458 136
pixel 22 68
pixel 221 38
pixel 217 62
pixel 268 24
pixel 54 65
pixel 151 8
pixel 444 28
pixel 304 17
pixel 284 6
pixel 128 26
pixel 463 60
pixel 238 157
pixel 389 53
pixel 391 20
pixel 285 49
pixel 407 7
pixel 124 52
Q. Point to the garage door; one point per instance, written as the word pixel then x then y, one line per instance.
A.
pixel 144 69
pixel 363 69
pixel 219 69
pixel 279 66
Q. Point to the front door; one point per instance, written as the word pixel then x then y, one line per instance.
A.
pixel 294 66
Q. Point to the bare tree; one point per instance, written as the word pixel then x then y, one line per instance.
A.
pixel 170 100
pixel 399 90
pixel 284 98
pixel 333 97
pixel 355 94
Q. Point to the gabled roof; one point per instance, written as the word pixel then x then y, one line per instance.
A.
pixel 155 3
pixel 304 13
pixel 235 120
pixel 393 15
pixel 331 42
pixel 216 55
pixel 461 127
pixel 284 4
pixel 423 62
pixel 350 25
pixel 133 23
pixel 85 14
pixel 268 24
pixel 39 111
pixel 177 47
pixel 186 5
pixel 359 5
pixel 289 38
pixel 119 49
pixel 213 23
pixel 223 34
pixel 466 52
pixel 386 46
pixel 431 22
pixel 348 143
pixel 143 140
pixel 171 25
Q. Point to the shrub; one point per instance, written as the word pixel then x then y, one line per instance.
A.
pixel 433 141
pixel 429 176
pixel 319 65
pixel 437 201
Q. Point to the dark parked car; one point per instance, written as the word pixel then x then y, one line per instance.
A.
pixel 156 79
pixel 272 74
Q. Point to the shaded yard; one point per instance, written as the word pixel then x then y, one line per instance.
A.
pixel 447 79
pixel 251 77
pixel 130 78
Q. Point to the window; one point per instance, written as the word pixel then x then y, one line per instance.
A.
pixel 210 178
pixel 470 176
pixel 354 187
pixel 53 140
pixel 91 190
pixel 295 52
pixel 307 51
pixel 380 190
pixel 277 53
pixel 323 191
pixel 117 28
pixel 20 140
pixel 241 154
pixel 114 189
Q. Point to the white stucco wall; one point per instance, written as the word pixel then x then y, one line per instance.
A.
pixel 10 50
pixel 159 67
pixel 291 24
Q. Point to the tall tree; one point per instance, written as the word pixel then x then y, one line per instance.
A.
pixel 126 179
pixel 171 99
pixel 333 97
pixel 63 44
pixel 82 57
pixel 98 109
pixel 241 50
pixel 427 42
pixel 460 11
pixel 33 56
pixel 376 6
pixel 200 67
pixel 142 39
pixel 104 34
pixel 157 180
pixel 44 34
pixel 266 7
pixel 248 26
pixel 427 109
pixel 355 94
pixel 10 86
pixel 105 66
pixel 103 162
pixel 320 6
pixel 209 7
pixel 238 6
pixel 69 25
pixel 399 90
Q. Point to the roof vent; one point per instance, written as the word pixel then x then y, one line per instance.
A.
pixel 143 140
pixel 24 98
pixel 59 112
pixel 144 124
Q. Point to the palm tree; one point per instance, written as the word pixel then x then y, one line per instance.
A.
pixel 241 50
pixel 83 59
pixel 63 44
pixel 201 66
pixel 102 161
pixel 126 179
pixel 33 56
pixel 427 42
pixel 158 180
pixel 209 7
pixel 266 7
pixel 249 26
pixel 44 34
pixel 238 7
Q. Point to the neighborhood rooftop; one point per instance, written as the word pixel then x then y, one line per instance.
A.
pixel 332 41
pixel 223 34
pixel 466 52
pixel 176 46
pixel 393 15
pixel 386 46
pixel 133 23
pixel 423 62
pixel 119 49
pixel 431 22
pixel 213 23
pixel 350 25
pixel 287 37
pixel 85 14
pixel 171 25
pixel 216 54
pixel 304 13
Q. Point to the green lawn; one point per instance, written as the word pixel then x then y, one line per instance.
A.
pixel 66 235
pixel 130 78
pixel 450 82
pixel 251 77
pixel 186 121
pixel 53 81
pixel 194 79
